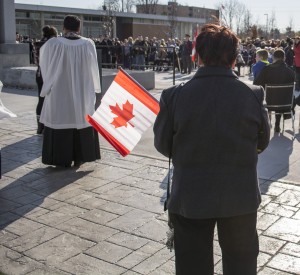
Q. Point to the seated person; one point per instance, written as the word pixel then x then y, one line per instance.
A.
pixel 261 61
pixel 276 73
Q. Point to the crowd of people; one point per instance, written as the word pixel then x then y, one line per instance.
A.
pixel 161 54
pixel 144 53
pixel 249 49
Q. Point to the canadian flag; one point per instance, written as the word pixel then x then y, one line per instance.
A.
pixel 126 111
pixel 194 54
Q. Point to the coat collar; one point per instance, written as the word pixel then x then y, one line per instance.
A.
pixel 278 63
pixel 206 71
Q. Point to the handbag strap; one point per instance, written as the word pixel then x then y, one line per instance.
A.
pixel 176 89
pixel 168 185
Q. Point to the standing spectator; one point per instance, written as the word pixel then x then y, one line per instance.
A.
pixel 261 61
pixel 48 32
pixel 107 46
pixel 251 58
pixel 147 51
pixel 127 49
pixel 213 128
pixel 139 51
pixel 239 63
pixel 185 54
pixel 276 73
pixel 17 38
pixel 257 43
pixel 71 79
pixel 153 51
pixel 245 54
pixel 297 61
pixel 289 53
pixel 117 52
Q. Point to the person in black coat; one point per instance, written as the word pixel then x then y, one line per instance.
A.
pixel 48 32
pixel 185 53
pixel 276 73
pixel 106 45
pixel 213 128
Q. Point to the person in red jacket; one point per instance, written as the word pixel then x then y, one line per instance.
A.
pixel 297 61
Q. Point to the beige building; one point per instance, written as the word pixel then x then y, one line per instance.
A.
pixel 31 18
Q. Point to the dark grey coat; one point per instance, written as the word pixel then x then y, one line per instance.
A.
pixel 214 125
pixel 275 73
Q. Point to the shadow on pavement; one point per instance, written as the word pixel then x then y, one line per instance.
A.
pixel 275 161
pixel 34 195
pixel 20 153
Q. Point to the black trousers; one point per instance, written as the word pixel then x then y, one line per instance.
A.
pixel 193 240
pixel 39 82
pixel 186 64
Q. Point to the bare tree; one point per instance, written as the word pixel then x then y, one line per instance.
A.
pixel 172 16
pixel 240 11
pixel 128 5
pixel 272 24
pixel 110 7
pixel 149 5
pixel 254 31
pixel 289 29
pixel 291 23
pixel 246 29
pixel 228 11
pixel 113 5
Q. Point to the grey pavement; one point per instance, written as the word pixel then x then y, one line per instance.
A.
pixel 107 217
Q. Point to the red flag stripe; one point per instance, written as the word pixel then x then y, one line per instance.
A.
pixel 113 141
pixel 132 87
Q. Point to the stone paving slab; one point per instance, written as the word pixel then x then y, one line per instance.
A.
pixel 107 217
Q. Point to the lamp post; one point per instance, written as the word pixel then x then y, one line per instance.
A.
pixel 267 22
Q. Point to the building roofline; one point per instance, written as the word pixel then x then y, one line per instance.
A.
pixel 44 8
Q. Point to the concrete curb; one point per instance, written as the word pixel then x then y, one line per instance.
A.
pixel 24 78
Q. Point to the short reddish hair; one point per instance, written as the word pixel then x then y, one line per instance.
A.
pixel 217 46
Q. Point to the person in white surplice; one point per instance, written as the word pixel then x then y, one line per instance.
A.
pixel 71 81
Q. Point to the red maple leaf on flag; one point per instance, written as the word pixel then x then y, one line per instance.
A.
pixel 122 116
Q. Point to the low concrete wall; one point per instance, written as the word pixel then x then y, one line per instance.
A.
pixel 145 78
pixel 19 77
pixel 24 78
pixel 13 55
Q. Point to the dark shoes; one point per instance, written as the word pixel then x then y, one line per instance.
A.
pixel 78 163
pixel 40 126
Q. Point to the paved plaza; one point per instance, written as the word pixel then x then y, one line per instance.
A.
pixel 107 216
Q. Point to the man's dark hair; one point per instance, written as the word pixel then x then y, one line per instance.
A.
pixel 217 46
pixel 279 54
pixel 72 23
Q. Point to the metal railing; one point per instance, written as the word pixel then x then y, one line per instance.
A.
pixel 157 59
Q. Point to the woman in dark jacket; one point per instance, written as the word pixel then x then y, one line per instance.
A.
pixel 213 128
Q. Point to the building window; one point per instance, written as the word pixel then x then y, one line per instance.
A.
pixel 92 18
pixel 20 14
pixel 35 15
pixel 22 29
pixel 54 16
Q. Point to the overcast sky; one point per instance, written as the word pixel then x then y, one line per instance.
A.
pixel 284 10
